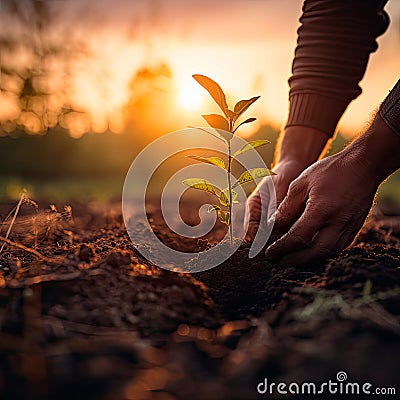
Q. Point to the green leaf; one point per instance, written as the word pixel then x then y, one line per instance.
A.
pixel 214 89
pixel 224 217
pixel 251 145
pixel 210 160
pixel 244 122
pixel 242 105
pixel 217 121
pixel 224 197
pixel 213 207
pixel 252 175
pixel 201 184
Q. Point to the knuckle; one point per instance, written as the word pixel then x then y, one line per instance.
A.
pixel 344 218
pixel 281 211
pixel 297 239
pixel 321 209
pixel 295 188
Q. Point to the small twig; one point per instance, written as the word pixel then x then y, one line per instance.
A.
pixel 27 249
pixel 13 219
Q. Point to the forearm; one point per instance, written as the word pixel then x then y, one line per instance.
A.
pixel 377 151
pixel 302 145
pixel 334 43
pixel 389 110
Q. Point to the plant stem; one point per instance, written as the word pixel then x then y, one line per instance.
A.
pixel 230 188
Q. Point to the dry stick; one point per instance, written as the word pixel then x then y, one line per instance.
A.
pixel 27 249
pixel 13 219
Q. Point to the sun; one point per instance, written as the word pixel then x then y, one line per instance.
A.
pixel 190 97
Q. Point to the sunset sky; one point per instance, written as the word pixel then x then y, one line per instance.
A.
pixel 245 45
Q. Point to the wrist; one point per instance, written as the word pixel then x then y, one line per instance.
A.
pixel 302 145
pixel 376 151
pixel 308 108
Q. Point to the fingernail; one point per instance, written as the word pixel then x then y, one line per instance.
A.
pixel 269 252
pixel 274 252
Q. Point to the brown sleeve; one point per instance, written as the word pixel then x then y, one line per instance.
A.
pixel 335 40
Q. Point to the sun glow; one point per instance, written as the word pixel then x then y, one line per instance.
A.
pixel 190 98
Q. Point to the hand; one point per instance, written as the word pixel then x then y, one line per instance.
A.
pixel 298 148
pixel 286 172
pixel 327 204
pixel 322 212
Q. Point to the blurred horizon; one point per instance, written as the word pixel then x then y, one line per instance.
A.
pixel 118 75
pixel 93 66
pixel 57 167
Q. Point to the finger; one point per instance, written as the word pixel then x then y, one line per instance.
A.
pixel 347 238
pixel 300 234
pixel 323 246
pixel 254 207
pixel 259 200
pixel 252 218
pixel 251 231
pixel 290 208
pixel 328 243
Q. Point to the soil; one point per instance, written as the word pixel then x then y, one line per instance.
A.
pixel 83 315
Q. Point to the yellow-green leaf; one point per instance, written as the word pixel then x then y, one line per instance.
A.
pixel 252 174
pixel 216 121
pixel 201 184
pixel 219 162
pixel 213 207
pixel 224 197
pixel 214 89
pixel 251 145
pixel 224 217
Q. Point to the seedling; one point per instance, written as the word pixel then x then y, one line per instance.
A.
pixel 225 128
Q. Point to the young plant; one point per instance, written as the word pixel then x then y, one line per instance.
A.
pixel 225 126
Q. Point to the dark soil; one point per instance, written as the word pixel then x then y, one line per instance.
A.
pixel 89 318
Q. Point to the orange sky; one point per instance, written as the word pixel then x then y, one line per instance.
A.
pixel 245 45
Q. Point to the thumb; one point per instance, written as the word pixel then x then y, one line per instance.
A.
pixel 252 215
pixel 291 207
pixel 261 197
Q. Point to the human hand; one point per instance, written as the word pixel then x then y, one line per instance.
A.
pixel 327 204
pixel 298 148
pixel 286 172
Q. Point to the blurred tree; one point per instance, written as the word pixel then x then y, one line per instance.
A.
pixel 34 67
pixel 149 109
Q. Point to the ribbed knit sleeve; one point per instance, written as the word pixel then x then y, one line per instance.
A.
pixel 390 109
pixel 335 40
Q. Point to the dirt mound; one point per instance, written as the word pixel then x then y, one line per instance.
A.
pixel 85 316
